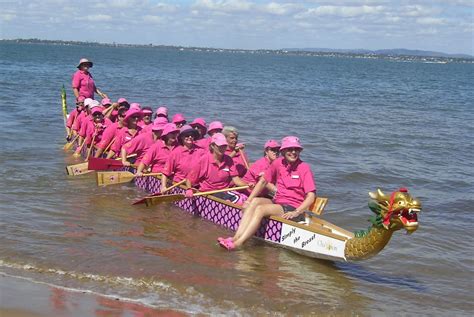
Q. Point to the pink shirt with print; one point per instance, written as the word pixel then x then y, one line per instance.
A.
pixel 293 182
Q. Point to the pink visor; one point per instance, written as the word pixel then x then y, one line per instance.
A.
pixel 105 101
pixel 98 109
pixel 122 100
pixel 290 142
pixel 162 111
pixel 178 118
pixel 169 128
pixel 147 111
pixel 132 112
pixel 271 144
pixel 219 139
pixel 215 125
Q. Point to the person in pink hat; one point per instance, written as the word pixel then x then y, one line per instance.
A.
pixel 146 122
pixel 116 106
pixel 73 116
pixel 236 150
pixel 131 131
pixel 200 125
pixel 179 120
pixel 82 116
pixel 157 155
pixel 182 158
pixel 215 170
pixel 95 127
pixel 82 82
pixel 110 133
pixel 214 127
pixel 162 111
pixel 271 151
pixel 143 142
pixel 296 191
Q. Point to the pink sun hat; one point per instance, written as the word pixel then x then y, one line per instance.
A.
pixel 215 125
pixel 271 144
pixel 159 124
pixel 162 111
pixel 98 109
pixel 169 128
pixel 198 121
pixel 132 112
pixel 106 101
pixel 219 139
pixel 290 142
pixel 84 60
pixel 135 105
pixel 121 100
pixel 177 118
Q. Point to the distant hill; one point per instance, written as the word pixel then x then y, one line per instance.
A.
pixel 396 51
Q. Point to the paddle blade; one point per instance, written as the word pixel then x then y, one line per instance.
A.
pixel 110 178
pixel 68 145
pixel 77 169
pixel 100 164
pixel 154 200
pixel 143 200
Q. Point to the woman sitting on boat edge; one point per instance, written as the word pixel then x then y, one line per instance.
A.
pixel 182 158
pixel 296 191
pixel 216 170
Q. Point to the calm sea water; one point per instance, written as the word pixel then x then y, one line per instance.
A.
pixel 364 124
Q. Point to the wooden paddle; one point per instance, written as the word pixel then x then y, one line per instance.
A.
pixel 118 177
pixel 90 148
pixel 242 153
pixel 69 145
pixel 143 200
pixel 175 197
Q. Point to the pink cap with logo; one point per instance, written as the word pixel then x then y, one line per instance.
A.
pixel 178 118
pixel 290 142
pixel 106 101
pixel 271 144
pixel 215 125
pixel 162 110
pixel 219 139
pixel 169 128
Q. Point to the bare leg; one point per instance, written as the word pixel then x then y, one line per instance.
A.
pixel 248 214
pixel 260 212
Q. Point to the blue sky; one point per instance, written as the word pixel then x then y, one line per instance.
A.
pixel 446 26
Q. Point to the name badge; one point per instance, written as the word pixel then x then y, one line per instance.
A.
pixel 226 169
pixel 295 176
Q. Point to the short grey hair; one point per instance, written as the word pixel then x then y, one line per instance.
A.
pixel 230 129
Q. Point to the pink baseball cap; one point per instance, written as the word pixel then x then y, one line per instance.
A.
pixel 169 128
pixel 84 60
pixel 135 105
pixel 162 110
pixel 178 118
pixel 159 124
pixel 199 121
pixel 271 144
pixel 81 99
pixel 147 110
pixel 98 109
pixel 215 125
pixel 219 139
pixel 289 142
pixel 106 101
pixel 132 112
pixel 121 100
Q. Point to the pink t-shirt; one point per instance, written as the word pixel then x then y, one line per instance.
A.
pixel 123 136
pixel 145 127
pixel 239 161
pixel 72 117
pixel 97 129
pixel 293 182
pixel 180 162
pixel 256 170
pixel 139 145
pixel 204 143
pixel 84 83
pixel 108 135
pixel 157 156
pixel 76 126
pixel 211 175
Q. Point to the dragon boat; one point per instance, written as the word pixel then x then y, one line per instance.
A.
pixel 316 238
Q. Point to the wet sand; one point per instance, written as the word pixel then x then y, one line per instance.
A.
pixel 21 297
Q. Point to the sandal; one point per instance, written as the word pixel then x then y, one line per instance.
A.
pixel 227 244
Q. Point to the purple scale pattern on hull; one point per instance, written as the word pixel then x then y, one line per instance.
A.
pixel 209 209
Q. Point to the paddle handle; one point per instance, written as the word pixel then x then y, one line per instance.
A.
pixel 108 146
pixel 173 186
pixel 221 190
pixel 90 148
pixel 149 174
pixel 244 159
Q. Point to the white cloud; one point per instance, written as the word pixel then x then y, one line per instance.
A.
pixel 7 17
pixel 430 21
pixel 97 18
pixel 278 9
pixel 153 19
pixel 342 11
pixel 224 5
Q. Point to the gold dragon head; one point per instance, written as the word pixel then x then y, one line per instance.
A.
pixel 396 211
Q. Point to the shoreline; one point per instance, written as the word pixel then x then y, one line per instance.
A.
pixel 48 300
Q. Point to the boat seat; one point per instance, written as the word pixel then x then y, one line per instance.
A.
pixel 316 209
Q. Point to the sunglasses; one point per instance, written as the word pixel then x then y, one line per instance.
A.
pixel 293 149
pixel 274 149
